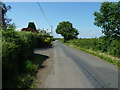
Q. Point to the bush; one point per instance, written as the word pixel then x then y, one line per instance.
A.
pixel 110 45
pixel 114 48
pixel 17 51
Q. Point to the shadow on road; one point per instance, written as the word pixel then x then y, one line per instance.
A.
pixel 45 48
pixel 41 59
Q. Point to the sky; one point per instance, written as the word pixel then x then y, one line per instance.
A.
pixel 80 14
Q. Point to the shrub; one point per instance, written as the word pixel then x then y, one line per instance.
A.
pixel 17 51
pixel 109 45
pixel 114 48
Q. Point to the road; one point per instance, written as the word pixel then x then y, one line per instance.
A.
pixel 72 68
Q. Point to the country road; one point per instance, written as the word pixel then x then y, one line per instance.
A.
pixel 71 68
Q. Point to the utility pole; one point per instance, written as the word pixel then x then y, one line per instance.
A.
pixel 51 30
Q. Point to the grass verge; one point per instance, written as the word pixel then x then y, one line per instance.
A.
pixel 104 56
pixel 27 77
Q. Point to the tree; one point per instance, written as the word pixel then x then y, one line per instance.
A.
pixel 4 9
pixel 66 29
pixel 12 27
pixel 108 18
pixel 31 25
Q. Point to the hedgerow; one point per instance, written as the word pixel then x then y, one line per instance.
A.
pixel 111 47
pixel 17 51
pixel 107 49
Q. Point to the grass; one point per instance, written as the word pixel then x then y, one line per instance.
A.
pixel 27 78
pixel 104 56
pixel 0 47
pixel 0 44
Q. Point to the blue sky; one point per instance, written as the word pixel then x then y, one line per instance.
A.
pixel 78 13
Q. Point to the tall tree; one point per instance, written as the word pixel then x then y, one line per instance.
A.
pixel 108 18
pixel 66 29
pixel 31 25
pixel 4 9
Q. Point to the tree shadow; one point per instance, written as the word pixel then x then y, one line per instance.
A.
pixel 45 48
pixel 40 59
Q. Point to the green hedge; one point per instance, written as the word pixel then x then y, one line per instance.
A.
pixel 17 50
pixel 111 47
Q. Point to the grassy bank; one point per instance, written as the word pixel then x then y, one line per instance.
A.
pixel 92 46
pixel 27 78
pixel 0 45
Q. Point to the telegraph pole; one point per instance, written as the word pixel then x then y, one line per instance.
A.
pixel 51 30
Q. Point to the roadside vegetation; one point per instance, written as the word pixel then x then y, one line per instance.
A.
pixel 97 47
pixel 19 62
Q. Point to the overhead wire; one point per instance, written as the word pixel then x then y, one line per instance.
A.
pixel 45 16
pixel 43 13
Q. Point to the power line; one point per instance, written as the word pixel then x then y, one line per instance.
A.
pixel 45 17
pixel 43 13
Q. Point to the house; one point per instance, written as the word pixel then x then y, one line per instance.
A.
pixel 29 29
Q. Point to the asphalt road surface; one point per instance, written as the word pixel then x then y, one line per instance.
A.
pixel 75 69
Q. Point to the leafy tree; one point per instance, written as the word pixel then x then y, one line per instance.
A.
pixel 32 25
pixel 66 29
pixel 108 18
pixel 4 9
pixel 12 27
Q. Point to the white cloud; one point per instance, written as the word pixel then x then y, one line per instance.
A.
pixel 18 29
pixel 90 34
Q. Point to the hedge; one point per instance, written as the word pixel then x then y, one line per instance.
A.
pixel 111 47
pixel 17 49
